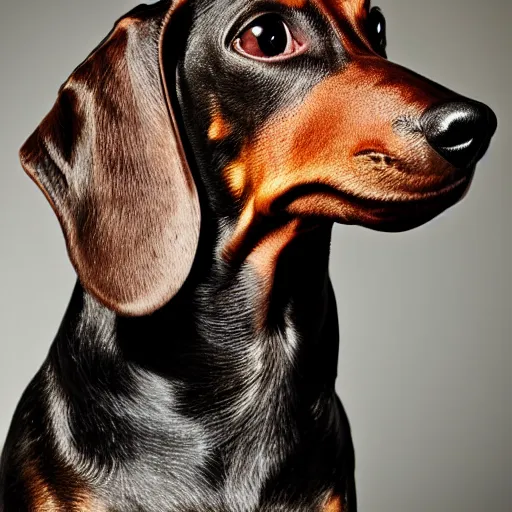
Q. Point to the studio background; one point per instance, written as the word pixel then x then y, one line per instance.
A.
pixel 425 368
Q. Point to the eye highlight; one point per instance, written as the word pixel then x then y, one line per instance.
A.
pixel 376 26
pixel 268 38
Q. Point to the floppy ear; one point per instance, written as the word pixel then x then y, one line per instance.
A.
pixel 109 159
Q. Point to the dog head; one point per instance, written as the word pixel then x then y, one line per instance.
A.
pixel 286 108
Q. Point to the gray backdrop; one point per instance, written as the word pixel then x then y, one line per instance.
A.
pixel 425 359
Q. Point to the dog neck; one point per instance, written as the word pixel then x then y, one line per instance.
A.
pixel 247 369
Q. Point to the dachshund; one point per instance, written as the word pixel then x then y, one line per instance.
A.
pixel 197 161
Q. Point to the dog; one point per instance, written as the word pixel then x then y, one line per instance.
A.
pixel 196 161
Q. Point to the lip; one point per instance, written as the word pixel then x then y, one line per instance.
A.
pixel 411 210
pixel 389 199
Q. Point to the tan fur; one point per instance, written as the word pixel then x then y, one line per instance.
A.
pixel 219 128
pixel 42 497
pixel 334 505
pixel 351 147
pixel 294 4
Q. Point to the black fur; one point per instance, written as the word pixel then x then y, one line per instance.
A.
pixel 194 408
pixel 190 409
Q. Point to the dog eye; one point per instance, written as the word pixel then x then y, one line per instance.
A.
pixel 268 38
pixel 377 30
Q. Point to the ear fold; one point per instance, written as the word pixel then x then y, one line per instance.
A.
pixel 109 159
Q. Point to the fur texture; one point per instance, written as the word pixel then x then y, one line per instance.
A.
pixel 196 186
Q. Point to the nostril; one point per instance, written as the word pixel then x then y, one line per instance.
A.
pixel 459 130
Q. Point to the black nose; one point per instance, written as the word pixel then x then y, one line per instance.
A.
pixel 459 131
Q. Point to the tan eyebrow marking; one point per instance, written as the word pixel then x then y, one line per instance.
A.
pixel 294 4
pixel 350 8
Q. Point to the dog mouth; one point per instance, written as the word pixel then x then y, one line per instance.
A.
pixel 307 205
pixel 385 211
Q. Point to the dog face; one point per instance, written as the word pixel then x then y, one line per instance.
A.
pixel 297 103
pixel 287 109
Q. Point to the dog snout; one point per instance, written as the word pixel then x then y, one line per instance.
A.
pixel 460 131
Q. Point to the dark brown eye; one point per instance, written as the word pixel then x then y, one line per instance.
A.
pixel 377 30
pixel 268 38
